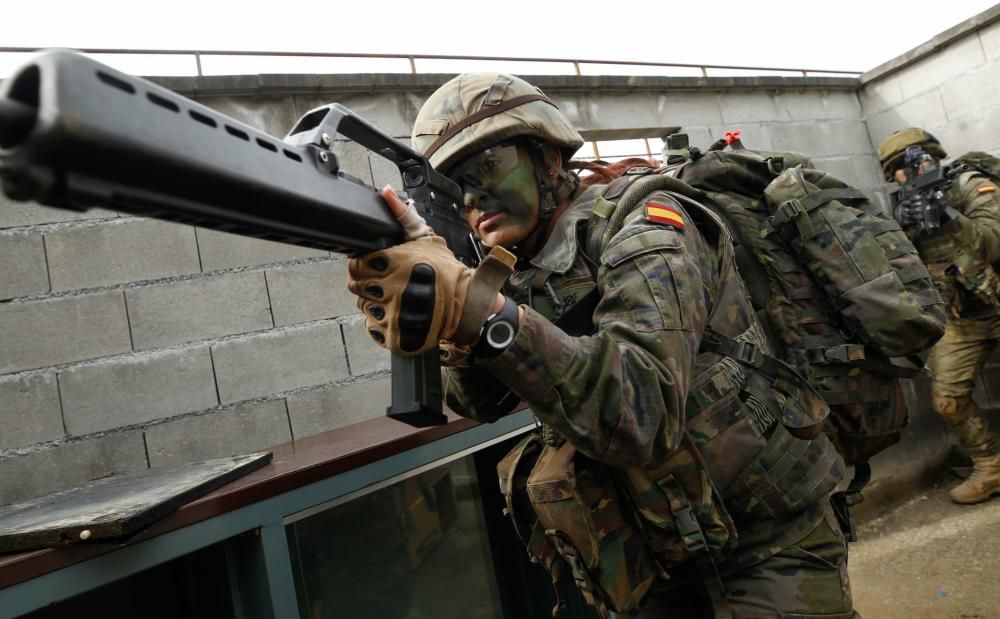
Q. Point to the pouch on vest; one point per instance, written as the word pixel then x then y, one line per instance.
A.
pixel 866 264
pixel 579 507
pixel 682 511
pixel 513 472
pixel 788 475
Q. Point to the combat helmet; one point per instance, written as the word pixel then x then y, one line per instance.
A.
pixel 475 111
pixel 891 152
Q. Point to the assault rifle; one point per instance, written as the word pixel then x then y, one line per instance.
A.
pixel 919 203
pixel 77 134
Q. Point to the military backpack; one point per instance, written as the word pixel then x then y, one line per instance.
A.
pixel 837 285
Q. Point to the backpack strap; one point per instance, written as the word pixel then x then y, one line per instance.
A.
pixel 797 212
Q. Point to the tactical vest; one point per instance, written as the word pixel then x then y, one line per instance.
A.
pixel 750 452
pixel 969 285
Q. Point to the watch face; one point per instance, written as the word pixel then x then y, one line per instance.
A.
pixel 500 334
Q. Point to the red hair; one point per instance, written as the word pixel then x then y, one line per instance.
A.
pixel 602 172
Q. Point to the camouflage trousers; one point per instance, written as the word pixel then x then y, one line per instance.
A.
pixel 805 580
pixel 960 354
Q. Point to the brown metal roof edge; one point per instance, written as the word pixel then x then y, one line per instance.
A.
pixel 295 464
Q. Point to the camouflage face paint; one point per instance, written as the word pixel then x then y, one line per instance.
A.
pixel 501 201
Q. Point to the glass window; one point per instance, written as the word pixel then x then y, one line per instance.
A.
pixel 416 549
pixel 193 586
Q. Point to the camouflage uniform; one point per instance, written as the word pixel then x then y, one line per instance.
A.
pixel 669 453
pixel 962 256
pixel 626 396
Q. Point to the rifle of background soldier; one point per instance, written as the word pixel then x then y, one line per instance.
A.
pixel 77 134
pixel 919 204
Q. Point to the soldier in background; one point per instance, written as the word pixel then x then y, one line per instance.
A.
pixel 962 256
pixel 639 351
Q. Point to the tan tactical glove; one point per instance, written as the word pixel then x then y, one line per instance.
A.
pixel 417 294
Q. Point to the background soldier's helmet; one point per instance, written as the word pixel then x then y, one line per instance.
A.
pixel 474 111
pixel 891 152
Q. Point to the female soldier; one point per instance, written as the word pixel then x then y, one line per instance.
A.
pixel 681 469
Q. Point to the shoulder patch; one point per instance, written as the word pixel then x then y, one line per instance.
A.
pixel 987 189
pixel 665 211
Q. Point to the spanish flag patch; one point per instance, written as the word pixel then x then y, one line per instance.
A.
pixel 664 214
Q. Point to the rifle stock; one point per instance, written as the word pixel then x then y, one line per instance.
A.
pixel 76 134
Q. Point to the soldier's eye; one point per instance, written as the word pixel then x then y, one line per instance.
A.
pixel 488 167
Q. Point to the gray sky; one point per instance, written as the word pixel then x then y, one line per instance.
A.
pixel 847 34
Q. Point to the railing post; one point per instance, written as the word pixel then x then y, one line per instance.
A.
pixel 704 72
pixel 576 65
pixel 413 65
pixel 197 61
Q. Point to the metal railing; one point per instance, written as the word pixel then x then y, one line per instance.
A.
pixel 413 58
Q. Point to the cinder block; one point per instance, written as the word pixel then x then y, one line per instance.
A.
pixel 385 172
pixel 989 37
pixel 821 139
pixel 945 64
pixel 612 112
pixel 221 250
pixel 127 250
pixel 30 412
pixel 137 389
pixel 860 171
pixel 821 105
pixel 977 131
pixel 219 434
pixel 355 160
pixel 754 136
pixel 385 111
pixel 971 93
pixel 17 214
pixel 314 291
pixel 868 171
pixel 70 465
pixel 753 107
pixel 364 354
pixel 926 110
pixel 198 309
pixel 62 330
pixel 840 167
pixel 881 94
pixel 279 361
pixel 684 108
pixel 272 115
pixel 24 271
pixel 313 412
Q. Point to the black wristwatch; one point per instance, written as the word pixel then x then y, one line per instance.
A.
pixel 498 331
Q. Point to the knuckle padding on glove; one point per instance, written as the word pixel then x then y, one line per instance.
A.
pixel 416 313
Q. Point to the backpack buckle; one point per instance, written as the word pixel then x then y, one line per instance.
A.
pixel 844 353
pixel 747 353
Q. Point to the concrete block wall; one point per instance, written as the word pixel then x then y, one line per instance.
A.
pixel 131 343
pixel 825 123
pixel 950 86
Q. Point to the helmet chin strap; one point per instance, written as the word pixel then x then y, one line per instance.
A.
pixel 555 186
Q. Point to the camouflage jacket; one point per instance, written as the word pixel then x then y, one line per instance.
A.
pixel 628 392
pixel 963 254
